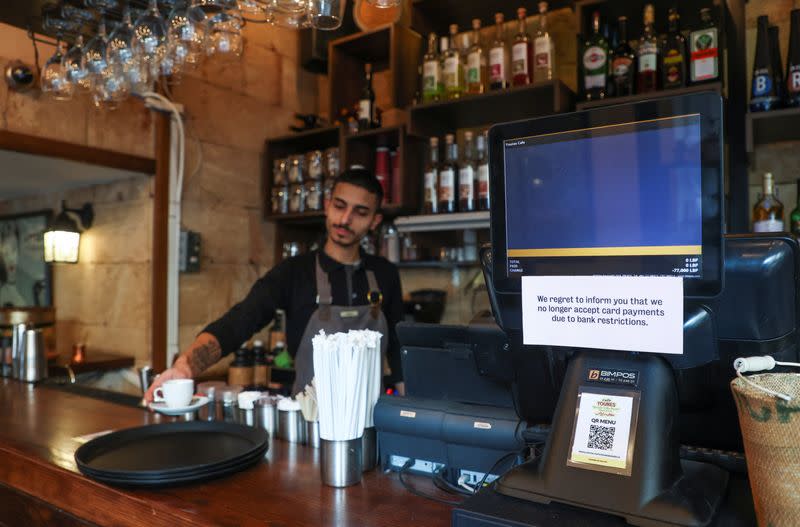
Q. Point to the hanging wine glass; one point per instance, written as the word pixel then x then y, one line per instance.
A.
pixel 94 54
pixel 187 29
pixel 292 14
pixel 256 10
pixel 150 38
pixel 104 5
pixel 121 54
pixel 54 79
pixel 326 15
pixel 291 6
pixel 74 69
pixel 385 4
pixel 108 83
pixel 225 35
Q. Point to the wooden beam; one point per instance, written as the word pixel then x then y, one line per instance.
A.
pixel 28 144
pixel 160 242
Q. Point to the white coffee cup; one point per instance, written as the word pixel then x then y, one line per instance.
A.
pixel 176 393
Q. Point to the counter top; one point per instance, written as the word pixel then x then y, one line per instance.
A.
pixel 40 429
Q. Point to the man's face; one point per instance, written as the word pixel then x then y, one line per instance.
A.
pixel 351 214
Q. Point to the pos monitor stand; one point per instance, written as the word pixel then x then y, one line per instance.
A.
pixel 554 213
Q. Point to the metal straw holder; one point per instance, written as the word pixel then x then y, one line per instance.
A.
pixel 340 462
pixel 291 426
pixel 246 416
pixel 266 415
pixel 312 433
pixel 369 449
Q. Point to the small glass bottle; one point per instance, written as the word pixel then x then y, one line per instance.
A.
pixel 704 50
pixel 431 72
pixel 543 51
pixel 482 174
pixel 366 104
pixel 647 77
pixel 623 65
pixel 793 61
pixel 466 176
pixel 430 202
pixel 261 375
pixel 673 54
pixel 240 372
pixel 768 211
pixel 453 67
pixel 447 175
pixel 595 62
pixel 476 62
pixel 499 56
pixel 521 52
pixel 763 96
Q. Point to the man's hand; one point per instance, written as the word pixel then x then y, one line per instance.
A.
pixel 204 351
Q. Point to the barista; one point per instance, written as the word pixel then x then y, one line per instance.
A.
pixel 334 289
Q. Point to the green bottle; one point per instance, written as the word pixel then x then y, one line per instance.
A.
pixel 794 219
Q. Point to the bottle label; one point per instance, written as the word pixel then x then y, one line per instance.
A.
pixel 673 60
pixel 648 57
pixel 483 181
pixel 793 79
pixel 474 67
pixel 430 186
pixel 430 77
pixel 365 110
pixel 704 54
pixel 621 67
pixel 466 183
pixel 519 59
pixel 771 225
pixel 446 184
pixel 541 52
pixel 451 68
pixel 497 66
pixel 762 83
pixel 594 64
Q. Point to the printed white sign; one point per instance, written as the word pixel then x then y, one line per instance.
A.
pixel 604 312
pixel 602 433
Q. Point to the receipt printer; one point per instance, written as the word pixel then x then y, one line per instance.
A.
pixel 437 434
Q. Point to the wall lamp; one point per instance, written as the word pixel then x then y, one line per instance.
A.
pixel 62 239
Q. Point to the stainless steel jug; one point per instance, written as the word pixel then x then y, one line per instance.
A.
pixel 33 359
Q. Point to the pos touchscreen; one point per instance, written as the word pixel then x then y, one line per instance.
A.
pixel 630 189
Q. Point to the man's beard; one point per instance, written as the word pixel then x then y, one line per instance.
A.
pixel 356 239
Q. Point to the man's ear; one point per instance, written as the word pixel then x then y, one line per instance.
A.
pixel 376 221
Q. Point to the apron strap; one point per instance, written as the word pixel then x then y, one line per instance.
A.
pixel 324 296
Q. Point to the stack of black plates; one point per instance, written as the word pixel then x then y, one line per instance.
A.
pixel 172 453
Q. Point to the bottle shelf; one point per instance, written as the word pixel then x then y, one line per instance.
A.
pixel 611 101
pixel 437 15
pixel 298 218
pixel 521 102
pixel 443 222
pixel 772 127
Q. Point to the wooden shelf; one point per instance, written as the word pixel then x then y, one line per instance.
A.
pixel 612 101
pixel 443 222
pixel 435 264
pixel 772 127
pixel 316 139
pixel 522 102
pixel 437 15
pixel 298 218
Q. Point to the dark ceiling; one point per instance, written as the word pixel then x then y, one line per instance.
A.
pixel 23 13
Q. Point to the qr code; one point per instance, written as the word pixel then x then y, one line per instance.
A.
pixel 601 437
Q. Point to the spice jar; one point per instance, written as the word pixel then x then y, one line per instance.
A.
pixel 261 373
pixel 331 162
pixel 313 195
pixel 279 176
pixel 314 165
pixel 240 372
pixel 295 169
pixel 297 195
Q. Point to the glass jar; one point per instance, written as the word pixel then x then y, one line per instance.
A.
pixel 313 195
pixel 275 200
pixel 279 172
pixel 295 169
pixel 327 191
pixel 297 195
pixel 331 162
pixel 314 165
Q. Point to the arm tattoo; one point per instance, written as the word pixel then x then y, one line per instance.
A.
pixel 203 356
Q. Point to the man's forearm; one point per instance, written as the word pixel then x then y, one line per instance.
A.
pixel 204 353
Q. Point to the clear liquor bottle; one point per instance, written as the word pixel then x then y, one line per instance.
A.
pixel 366 104
pixel 431 72
pixel 543 51
pixel 453 67
pixel 466 176
pixel 482 174
pixel 430 203
pixel 476 62
pixel 768 211
pixel 521 53
pixel 499 57
pixel 447 175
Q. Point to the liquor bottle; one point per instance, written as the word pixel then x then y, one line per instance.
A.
pixel 595 62
pixel 543 51
pixel 794 217
pixel 623 67
pixel 466 176
pixel 704 49
pixel 763 95
pixel 482 174
pixel 430 204
pixel 447 175
pixel 647 76
pixel 521 53
pixel 613 42
pixel 476 62
pixel 431 72
pixel 777 67
pixel 673 54
pixel 453 67
pixel 498 56
pixel 768 211
pixel 793 62
pixel 366 104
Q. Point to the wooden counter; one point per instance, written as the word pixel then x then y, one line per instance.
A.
pixel 40 483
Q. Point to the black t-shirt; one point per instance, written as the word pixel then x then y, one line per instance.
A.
pixel 291 286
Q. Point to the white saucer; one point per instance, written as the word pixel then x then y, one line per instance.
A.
pixel 198 401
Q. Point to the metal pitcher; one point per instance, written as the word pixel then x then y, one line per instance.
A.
pixel 33 359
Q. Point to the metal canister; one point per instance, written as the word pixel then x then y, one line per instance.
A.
pixel 313 195
pixel 229 405
pixel 297 198
pixel 279 172
pixel 266 414
pixel 340 462
pixel 331 162
pixel 314 165
pixel 291 426
pixel 295 169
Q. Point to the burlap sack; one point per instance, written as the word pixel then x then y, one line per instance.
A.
pixel 771 433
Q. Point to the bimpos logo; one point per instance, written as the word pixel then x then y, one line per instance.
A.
pixel 627 377
pixel 594 375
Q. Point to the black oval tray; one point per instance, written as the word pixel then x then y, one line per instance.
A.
pixel 171 453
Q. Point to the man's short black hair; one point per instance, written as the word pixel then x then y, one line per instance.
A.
pixel 361 177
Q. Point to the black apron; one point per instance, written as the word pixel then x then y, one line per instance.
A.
pixel 335 319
